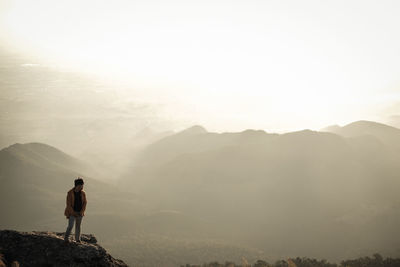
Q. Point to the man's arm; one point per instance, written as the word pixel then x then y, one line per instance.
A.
pixel 69 204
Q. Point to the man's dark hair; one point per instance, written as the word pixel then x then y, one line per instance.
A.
pixel 79 181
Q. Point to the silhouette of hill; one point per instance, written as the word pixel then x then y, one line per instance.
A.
pixel 221 196
pixel 195 139
pixel 195 129
pixel 293 188
pixel 37 177
pixel 384 133
pixel 41 155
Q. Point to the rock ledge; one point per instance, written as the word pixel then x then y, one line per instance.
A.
pixel 39 248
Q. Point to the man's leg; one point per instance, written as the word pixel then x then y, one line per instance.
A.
pixel 69 228
pixel 78 228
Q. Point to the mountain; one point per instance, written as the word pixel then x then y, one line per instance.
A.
pixel 194 139
pixel 36 177
pixel 46 248
pixel 195 129
pixel 384 133
pixel 310 193
pixel 41 155
pixel 282 193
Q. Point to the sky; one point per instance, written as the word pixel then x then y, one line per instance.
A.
pixel 227 65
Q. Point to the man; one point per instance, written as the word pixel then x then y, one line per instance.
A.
pixel 75 209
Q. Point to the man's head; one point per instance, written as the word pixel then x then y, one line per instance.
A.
pixel 78 183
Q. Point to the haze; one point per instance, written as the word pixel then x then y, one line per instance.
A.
pixel 205 130
pixel 228 65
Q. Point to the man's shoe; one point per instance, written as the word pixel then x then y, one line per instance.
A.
pixel 66 241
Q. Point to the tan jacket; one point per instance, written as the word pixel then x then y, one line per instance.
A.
pixel 69 209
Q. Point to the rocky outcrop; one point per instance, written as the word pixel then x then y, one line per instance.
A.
pixel 39 248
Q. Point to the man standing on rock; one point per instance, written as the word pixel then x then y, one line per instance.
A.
pixel 75 210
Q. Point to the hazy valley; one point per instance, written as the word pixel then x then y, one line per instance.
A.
pixel 195 195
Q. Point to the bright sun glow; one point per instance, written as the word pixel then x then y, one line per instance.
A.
pixel 229 65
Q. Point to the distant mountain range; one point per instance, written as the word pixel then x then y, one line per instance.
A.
pixel 35 179
pixel 296 189
pixel 327 194
pixel 384 133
